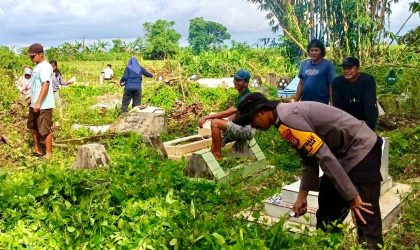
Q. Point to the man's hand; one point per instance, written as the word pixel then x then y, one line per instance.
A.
pixel 358 205
pixel 300 207
pixel 37 107
pixel 202 121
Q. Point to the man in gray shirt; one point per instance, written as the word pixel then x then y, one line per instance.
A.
pixel 346 149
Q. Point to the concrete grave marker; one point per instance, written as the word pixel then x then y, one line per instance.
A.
pixel 202 164
pixel 146 121
pixel 91 156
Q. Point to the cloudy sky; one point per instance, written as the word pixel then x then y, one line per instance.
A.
pixel 53 22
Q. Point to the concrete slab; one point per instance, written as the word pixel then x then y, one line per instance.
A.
pixel 95 129
pixel 216 82
pixel 148 109
pixel 141 122
pixel 185 146
pixel 203 164
pixel 390 203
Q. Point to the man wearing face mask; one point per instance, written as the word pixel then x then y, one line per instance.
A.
pixel 355 92
pixel 224 131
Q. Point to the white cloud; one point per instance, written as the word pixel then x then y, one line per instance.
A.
pixel 54 21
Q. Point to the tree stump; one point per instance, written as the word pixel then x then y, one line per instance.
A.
pixel 91 156
pixel 272 79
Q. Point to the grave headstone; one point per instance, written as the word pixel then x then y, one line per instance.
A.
pixel 146 121
pixel 91 156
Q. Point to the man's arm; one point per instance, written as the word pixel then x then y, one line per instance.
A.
pixel 125 76
pixel 146 73
pixel 220 115
pixel 332 74
pixel 337 96
pixel 42 95
pixel 369 103
pixel 299 91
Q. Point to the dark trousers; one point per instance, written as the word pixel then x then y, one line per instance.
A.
pixel 130 94
pixel 333 208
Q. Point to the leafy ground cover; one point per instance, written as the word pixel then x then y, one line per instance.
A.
pixel 143 201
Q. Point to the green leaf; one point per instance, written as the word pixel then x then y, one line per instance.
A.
pixel 192 209
pixel 71 229
pixel 173 242
pixel 120 223
pixel 219 239
pixel 68 204
pixel 52 242
pixel 169 196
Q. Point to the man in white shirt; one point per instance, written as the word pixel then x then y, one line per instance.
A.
pixel 42 101
pixel 108 72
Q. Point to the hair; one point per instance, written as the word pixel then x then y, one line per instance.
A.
pixel 315 43
pixel 57 71
pixel 267 108
pixel 109 65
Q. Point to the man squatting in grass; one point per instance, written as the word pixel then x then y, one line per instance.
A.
pixel 42 101
pixel 226 128
pixel 346 149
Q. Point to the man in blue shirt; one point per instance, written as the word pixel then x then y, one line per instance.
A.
pixel 315 75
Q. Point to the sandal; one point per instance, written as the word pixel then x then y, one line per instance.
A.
pixel 37 154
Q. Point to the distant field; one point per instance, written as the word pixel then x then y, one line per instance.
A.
pixel 89 71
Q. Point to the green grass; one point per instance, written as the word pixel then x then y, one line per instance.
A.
pixel 143 200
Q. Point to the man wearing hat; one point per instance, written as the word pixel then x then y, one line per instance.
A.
pixel 226 128
pixel 42 101
pixel 23 83
pixel 355 92
pixel 346 149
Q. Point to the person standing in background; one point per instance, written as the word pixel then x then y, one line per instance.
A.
pixel 57 82
pixel 315 75
pixel 132 82
pixel 355 92
pixel 23 83
pixel 42 101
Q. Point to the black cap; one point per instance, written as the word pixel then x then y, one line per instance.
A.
pixel 250 105
pixel 35 48
pixel 350 61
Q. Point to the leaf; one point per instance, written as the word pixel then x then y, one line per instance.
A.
pixel 169 196
pixel 120 223
pixel 71 229
pixel 173 242
pixel 192 209
pixel 219 239
pixel 92 221
pixel 68 204
pixel 52 242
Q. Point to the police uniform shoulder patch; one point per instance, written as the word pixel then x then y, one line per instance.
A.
pixel 307 142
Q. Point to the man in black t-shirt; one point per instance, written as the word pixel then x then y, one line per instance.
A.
pixel 355 92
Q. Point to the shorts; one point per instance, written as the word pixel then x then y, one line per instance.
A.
pixel 40 121
pixel 234 132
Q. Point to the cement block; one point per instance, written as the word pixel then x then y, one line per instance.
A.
pixel 390 203
pixel 186 145
pixel 385 158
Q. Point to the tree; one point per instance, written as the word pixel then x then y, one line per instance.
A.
pixel 206 35
pixel 349 27
pixel 137 45
pixel 118 46
pixel 161 38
